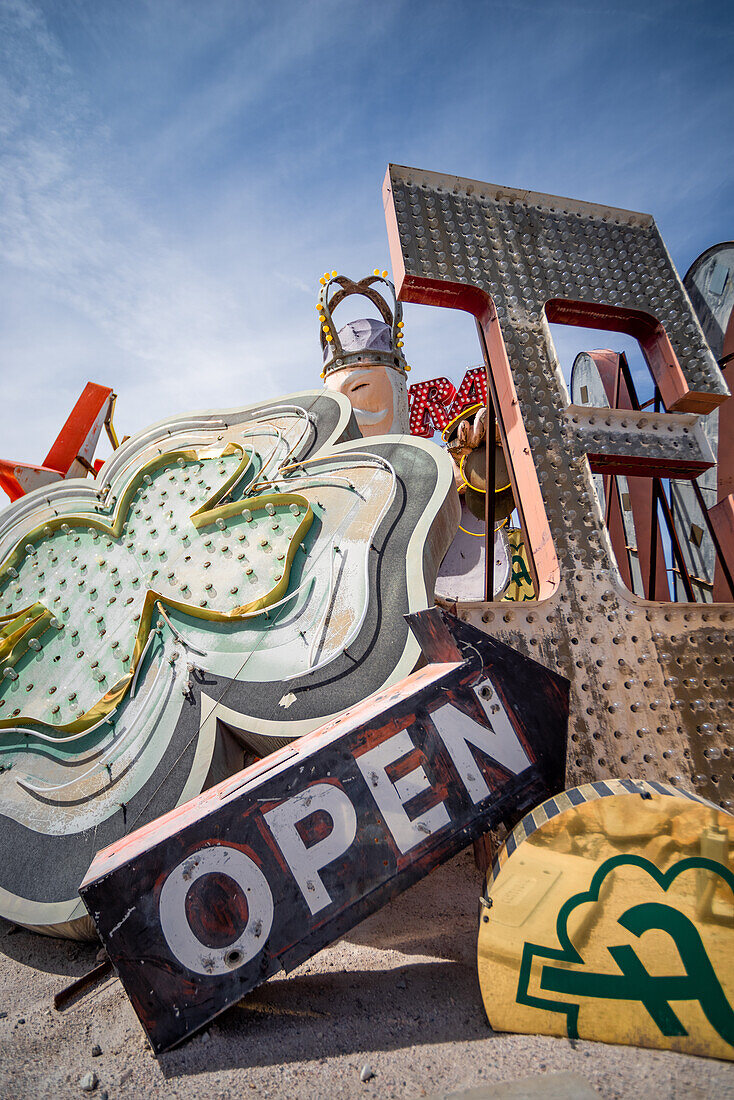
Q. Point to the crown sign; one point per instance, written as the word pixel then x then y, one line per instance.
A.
pixel 334 289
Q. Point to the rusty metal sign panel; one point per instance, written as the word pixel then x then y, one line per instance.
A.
pixel 263 870
pixel 652 684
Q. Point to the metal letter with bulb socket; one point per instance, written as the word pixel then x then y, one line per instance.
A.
pixel 643 699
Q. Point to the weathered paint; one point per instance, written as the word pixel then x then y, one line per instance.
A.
pixel 652 684
pixel 246 568
pixel 263 870
pixel 607 915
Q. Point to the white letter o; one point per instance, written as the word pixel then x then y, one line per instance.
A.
pixel 185 945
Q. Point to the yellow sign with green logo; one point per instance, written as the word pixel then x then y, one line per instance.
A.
pixel 613 919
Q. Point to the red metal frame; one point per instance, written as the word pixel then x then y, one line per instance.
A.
pixel 69 446
pixel 640 490
pixel 652 338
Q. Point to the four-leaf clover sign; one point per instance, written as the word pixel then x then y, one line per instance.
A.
pixel 231 581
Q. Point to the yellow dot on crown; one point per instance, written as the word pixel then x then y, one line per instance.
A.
pixel 320 306
pixel 400 343
pixel 329 338
pixel 407 367
pixel 322 280
pixel 384 274
pixel 376 271
pixel 325 328
pixel 401 324
pixel 333 274
pixel 323 374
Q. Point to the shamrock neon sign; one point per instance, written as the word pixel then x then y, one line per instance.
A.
pixel 257 561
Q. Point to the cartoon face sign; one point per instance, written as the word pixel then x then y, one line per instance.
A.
pixel 378 396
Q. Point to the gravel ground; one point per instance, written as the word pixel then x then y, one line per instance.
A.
pixel 399 993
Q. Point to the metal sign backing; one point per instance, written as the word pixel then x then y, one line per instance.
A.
pixel 652 684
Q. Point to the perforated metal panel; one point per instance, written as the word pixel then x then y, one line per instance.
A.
pixel 652 684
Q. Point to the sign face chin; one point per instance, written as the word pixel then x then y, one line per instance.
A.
pixel 259 873
pixel 255 563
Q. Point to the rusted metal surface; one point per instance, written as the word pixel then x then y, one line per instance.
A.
pixel 82 985
pixel 723 548
pixel 639 514
pixel 652 684
pixel 632 522
pixel 722 522
pixel 262 871
pixel 596 379
pixel 641 443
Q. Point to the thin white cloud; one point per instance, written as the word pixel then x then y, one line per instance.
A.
pixel 66 222
pixel 175 177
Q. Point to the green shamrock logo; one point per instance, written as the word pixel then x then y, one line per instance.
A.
pixel 566 973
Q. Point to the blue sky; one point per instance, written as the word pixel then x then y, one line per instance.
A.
pixel 175 175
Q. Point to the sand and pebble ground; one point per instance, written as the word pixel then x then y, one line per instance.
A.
pixel 396 1001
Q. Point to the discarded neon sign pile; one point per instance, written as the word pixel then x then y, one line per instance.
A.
pixel 234 584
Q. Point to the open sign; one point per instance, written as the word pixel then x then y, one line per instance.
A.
pixel 260 872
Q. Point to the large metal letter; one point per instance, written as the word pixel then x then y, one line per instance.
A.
pixel 391 796
pixel 306 862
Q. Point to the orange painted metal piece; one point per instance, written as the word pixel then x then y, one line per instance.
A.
pixel 72 437
pixel 73 450
pixel 9 471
